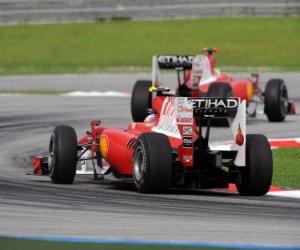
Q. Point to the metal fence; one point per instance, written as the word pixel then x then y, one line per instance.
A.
pixel 39 11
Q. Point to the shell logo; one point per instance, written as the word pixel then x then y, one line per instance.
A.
pixel 249 90
pixel 104 145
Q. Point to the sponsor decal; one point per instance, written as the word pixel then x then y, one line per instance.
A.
pixel 239 139
pixel 184 111
pixel 185 120
pixel 104 145
pixel 226 107
pixel 175 61
pixel 187 142
pixel 215 103
pixel 187 130
pixel 187 158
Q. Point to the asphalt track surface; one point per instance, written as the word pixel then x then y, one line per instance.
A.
pixel 32 205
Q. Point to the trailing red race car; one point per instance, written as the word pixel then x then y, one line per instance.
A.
pixel 169 148
pixel 198 77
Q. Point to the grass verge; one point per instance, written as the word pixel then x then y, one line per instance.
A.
pixel 286 167
pixel 92 47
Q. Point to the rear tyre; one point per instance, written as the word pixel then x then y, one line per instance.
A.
pixel 256 177
pixel 63 155
pixel 141 100
pixel 220 90
pixel 152 163
pixel 276 100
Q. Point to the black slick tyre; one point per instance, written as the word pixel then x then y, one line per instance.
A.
pixel 63 155
pixel 140 100
pixel 256 176
pixel 276 100
pixel 221 90
pixel 152 163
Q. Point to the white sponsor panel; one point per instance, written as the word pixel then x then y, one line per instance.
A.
pixel 167 121
pixel 236 124
pixel 185 111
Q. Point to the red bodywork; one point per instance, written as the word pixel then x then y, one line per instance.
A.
pixel 114 149
pixel 120 142
pixel 244 88
pixel 116 146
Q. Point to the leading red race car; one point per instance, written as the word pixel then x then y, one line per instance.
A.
pixel 199 77
pixel 169 148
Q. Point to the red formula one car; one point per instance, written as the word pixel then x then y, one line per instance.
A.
pixel 200 78
pixel 169 148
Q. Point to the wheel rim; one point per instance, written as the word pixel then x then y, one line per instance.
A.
pixel 139 163
pixel 283 101
pixel 51 157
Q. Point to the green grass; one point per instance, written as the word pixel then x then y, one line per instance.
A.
pixel 286 167
pixel 102 46
pixel 21 244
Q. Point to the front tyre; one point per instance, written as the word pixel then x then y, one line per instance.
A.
pixel 256 176
pixel 152 163
pixel 63 155
pixel 276 100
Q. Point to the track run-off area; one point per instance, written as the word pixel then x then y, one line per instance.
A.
pixel 33 206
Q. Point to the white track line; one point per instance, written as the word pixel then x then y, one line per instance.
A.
pixel 77 94
pixel 297 139
pixel 11 94
pixel 96 93
pixel 287 193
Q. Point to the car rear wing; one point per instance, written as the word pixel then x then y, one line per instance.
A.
pixel 174 61
pixel 190 112
pixel 207 108
pixel 169 62
pixel 199 65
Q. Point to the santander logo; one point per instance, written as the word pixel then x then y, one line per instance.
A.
pixel 239 139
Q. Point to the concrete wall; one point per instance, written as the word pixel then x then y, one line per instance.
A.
pixel 37 11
